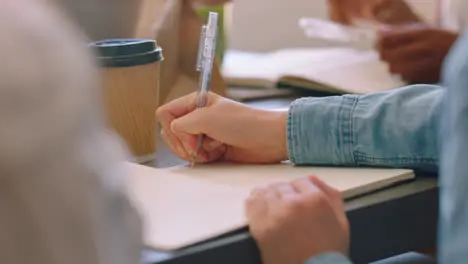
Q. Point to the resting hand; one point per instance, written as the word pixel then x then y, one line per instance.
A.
pixel 292 222
pixel 234 132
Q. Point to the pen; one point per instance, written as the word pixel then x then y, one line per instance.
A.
pixel 206 54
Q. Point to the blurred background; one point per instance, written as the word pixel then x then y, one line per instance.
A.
pixel 277 20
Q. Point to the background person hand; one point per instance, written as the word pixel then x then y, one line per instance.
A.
pixel 416 52
pixel 234 132
pixel 292 222
pixel 394 12
pixel 390 12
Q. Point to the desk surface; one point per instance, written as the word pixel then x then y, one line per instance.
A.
pixel 385 223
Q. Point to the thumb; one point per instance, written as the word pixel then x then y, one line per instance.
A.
pixel 335 195
pixel 193 123
pixel 336 198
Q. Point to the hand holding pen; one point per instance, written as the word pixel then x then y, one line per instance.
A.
pixel 206 54
pixel 230 131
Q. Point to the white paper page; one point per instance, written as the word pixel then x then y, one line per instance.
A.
pixel 182 205
pixel 359 73
pixel 271 66
pixel 178 210
pixel 350 181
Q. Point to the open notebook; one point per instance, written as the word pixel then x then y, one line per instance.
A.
pixel 181 206
pixel 335 70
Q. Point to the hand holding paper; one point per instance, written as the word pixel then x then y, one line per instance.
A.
pixel 234 132
pixel 415 52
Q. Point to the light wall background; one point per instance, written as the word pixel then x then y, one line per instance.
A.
pixel 266 25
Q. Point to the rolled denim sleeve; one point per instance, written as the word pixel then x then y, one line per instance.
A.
pixel 453 238
pixel 396 128
pixel 329 258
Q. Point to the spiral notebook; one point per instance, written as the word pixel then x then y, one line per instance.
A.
pixel 182 206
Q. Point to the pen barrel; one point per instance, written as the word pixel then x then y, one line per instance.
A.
pixel 209 50
pixel 206 60
pixel 201 46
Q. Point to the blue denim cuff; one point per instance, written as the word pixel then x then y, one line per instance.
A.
pixel 320 130
pixel 329 258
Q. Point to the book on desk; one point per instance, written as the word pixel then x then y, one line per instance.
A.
pixel 182 206
pixel 335 70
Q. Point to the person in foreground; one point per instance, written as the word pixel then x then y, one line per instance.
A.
pixel 304 221
pixel 63 197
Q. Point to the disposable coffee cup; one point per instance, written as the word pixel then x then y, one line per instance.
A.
pixel 130 75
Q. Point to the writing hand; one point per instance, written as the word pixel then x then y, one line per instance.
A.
pixel 233 131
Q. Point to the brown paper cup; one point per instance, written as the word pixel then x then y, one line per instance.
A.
pixel 130 70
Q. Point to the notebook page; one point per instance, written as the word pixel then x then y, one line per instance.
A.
pixel 181 206
pixel 366 75
pixel 350 181
pixel 178 211
pixel 241 67
pixel 357 72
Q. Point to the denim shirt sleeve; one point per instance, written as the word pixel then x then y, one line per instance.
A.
pixel 453 237
pixel 329 258
pixel 396 128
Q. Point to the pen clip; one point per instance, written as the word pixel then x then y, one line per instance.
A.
pixel 201 48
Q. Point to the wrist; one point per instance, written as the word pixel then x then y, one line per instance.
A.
pixel 275 123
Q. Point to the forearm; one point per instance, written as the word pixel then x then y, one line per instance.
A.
pixel 396 128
